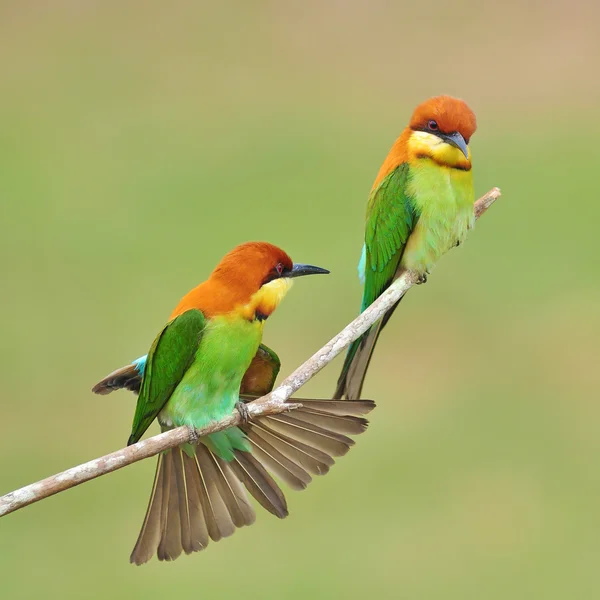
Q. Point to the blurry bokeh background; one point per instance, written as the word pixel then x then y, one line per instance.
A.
pixel 140 141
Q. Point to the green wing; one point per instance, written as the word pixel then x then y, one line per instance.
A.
pixel 260 377
pixel 391 217
pixel 169 358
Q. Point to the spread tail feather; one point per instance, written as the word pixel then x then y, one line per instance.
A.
pixel 294 446
pixel 201 497
pixel 194 499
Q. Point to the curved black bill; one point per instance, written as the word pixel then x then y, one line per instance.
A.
pixel 457 140
pixel 299 270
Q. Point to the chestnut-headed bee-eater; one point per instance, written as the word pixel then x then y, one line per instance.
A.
pixel 207 360
pixel 421 205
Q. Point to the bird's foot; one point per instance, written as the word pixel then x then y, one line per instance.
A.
pixel 244 412
pixel 193 435
pixel 422 278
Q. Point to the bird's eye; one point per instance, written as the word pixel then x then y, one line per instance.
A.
pixel 432 125
pixel 279 269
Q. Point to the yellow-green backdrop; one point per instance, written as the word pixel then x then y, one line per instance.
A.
pixel 140 141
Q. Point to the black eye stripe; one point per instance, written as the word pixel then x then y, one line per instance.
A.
pixel 275 273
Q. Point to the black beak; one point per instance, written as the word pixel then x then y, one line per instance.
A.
pixel 299 270
pixel 457 140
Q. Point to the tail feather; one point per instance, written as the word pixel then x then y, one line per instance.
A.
pixel 340 408
pixel 259 483
pixel 328 442
pixel 227 510
pixel 343 425
pixel 152 529
pixel 198 528
pixel 355 367
pixel 189 505
pixel 288 457
pixel 358 357
pixel 170 543
pixel 175 516
pixel 293 474
pixel 310 459
pixel 235 495
pixel 184 502
pixel 202 497
pixel 219 521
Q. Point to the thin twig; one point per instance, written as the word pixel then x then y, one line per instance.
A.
pixel 273 403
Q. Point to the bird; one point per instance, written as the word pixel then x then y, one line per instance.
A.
pixel 420 205
pixel 207 360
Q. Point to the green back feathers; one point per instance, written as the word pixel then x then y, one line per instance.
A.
pixel 169 358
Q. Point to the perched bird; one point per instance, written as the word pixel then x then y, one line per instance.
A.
pixel 207 359
pixel 421 205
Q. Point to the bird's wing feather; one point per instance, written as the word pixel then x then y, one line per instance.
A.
pixel 169 358
pixel 128 377
pixel 258 380
pixel 391 217
pixel 260 377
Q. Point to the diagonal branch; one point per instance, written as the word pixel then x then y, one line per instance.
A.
pixel 273 403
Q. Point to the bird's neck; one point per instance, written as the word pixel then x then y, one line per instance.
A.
pixel 219 298
pixel 424 146
pixel 415 147
pixel 397 155
pixel 263 303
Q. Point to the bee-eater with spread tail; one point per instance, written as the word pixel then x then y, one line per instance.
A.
pixel 421 205
pixel 207 360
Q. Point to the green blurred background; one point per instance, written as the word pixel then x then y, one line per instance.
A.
pixel 141 141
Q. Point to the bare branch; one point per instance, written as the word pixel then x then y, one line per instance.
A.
pixel 273 403
pixel 486 201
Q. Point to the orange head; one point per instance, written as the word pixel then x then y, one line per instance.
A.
pixel 250 280
pixel 440 130
pixel 445 116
